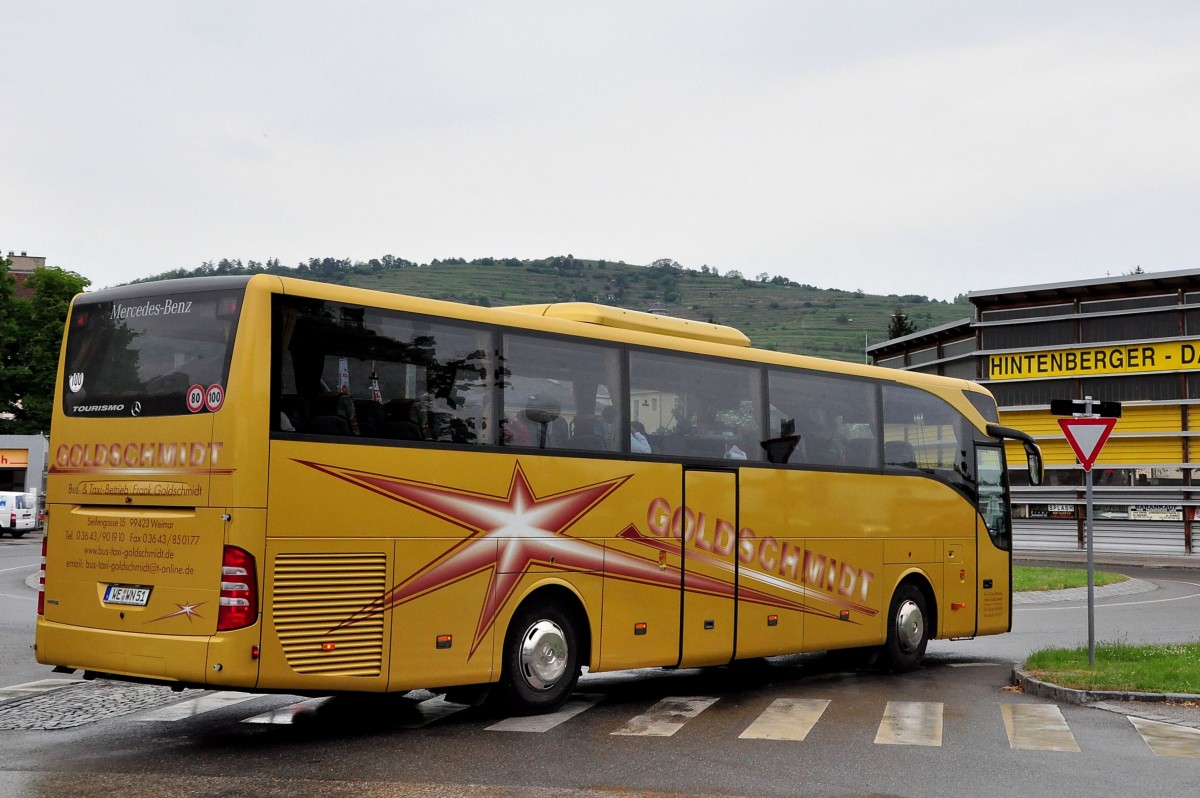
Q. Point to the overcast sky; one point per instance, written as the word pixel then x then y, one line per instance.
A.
pixel 895 147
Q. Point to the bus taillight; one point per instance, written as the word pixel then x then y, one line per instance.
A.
pixel 42 582
pixel 239 590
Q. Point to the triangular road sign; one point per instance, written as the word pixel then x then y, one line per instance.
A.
pixel 1087 437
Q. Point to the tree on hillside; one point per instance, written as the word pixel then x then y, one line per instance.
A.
pixel 900 326
pixel 31 333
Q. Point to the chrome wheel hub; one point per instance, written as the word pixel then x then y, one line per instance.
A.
pixel 543 655
pixel 910 626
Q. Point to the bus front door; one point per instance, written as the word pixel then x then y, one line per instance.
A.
pixel 709 567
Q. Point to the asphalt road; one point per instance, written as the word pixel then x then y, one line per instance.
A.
pixel 953 728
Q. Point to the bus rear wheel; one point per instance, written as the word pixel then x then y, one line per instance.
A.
pixel 541 659
pixel 908 631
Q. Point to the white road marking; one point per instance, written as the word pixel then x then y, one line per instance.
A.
pixel 666 717
pixel 1037 727
pixel 786 719
pixel 544 723
pixel 911 723
pixel 196 706
pixel 1168 739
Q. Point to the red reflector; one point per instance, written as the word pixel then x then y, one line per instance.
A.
pixel 639 628
pixel 254 652
pixel 444 641
pixel 772 620
pixel 957 605
pixel 844 615
pixel 239 590
pixel 328 646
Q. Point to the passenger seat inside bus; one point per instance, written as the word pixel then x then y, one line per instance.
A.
pixel 370 418
pixel 551 429
pixel 330 416
pixel 296 410
pixel 400 420
pixel 899 453
pixel 860 453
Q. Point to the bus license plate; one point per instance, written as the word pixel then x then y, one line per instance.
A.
pixel 123 594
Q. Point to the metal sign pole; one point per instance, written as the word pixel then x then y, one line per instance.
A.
pixel 1091 563
pixel 1091 577
pixel 1086 433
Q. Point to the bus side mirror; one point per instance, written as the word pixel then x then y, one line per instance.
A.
pixel 1033 455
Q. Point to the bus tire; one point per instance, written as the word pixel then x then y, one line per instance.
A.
pixel 541 658
pixel 907 631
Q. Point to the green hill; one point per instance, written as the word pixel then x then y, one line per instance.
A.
pixel 775 312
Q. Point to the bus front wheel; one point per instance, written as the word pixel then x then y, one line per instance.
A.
pixel 908 631
pixel 541 659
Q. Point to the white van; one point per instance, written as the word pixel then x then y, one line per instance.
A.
pixel 18 513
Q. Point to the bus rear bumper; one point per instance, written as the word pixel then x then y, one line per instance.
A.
pixel 168 659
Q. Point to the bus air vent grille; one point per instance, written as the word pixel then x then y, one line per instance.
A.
pixel 327 612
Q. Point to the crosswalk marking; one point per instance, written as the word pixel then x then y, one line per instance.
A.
pixel 196 706
pixel 33 688
pixel 666 717
pixel 786 719
pixel 288 714
pixel 1037 727
pixel 430 710
pixel 544 723
pixel 1167 739
pixel 911 723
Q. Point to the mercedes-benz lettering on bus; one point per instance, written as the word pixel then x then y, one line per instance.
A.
pixel 265 483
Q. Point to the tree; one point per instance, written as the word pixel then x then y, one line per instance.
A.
pixel 31 332
pixel 900 326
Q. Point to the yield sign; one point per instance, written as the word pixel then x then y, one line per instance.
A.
pixel 1087 437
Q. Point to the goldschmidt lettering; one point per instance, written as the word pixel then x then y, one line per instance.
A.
pixel 761 552
pixel 196 454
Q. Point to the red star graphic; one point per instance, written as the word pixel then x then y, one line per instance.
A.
pixel 506 536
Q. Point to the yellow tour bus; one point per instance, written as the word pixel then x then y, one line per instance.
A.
pixel 265 483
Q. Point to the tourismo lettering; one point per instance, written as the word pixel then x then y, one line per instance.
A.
pixel 198 454
pixel 764 553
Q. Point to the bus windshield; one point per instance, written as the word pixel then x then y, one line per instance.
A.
pixel 150 356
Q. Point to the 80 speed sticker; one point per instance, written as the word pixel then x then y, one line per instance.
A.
pixel 195 398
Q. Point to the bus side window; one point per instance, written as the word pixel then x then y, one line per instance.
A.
pixel 375 373
pixel 833 415
pixel 558 394
pixel 697 408
pixel 924 432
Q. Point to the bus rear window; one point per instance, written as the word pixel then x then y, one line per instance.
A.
pixel 153 355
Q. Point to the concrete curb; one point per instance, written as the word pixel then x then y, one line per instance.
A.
pixel 1102 699
pixel 1072 696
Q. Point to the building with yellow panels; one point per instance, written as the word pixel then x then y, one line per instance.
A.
pixel 1133 339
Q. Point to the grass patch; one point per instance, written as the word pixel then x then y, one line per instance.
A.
pixel 1028 578
pixel 1150 669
